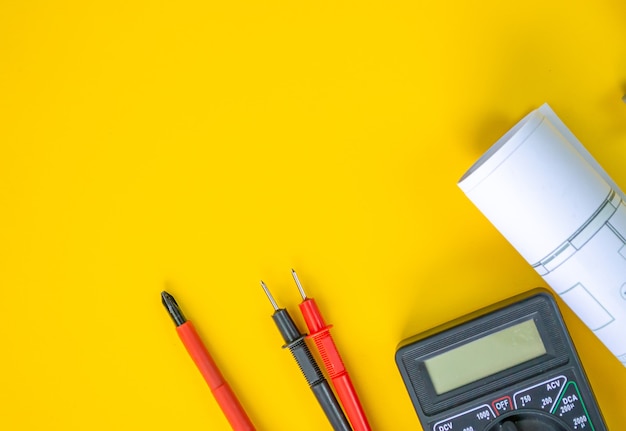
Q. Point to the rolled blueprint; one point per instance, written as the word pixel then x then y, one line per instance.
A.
pixel 559 209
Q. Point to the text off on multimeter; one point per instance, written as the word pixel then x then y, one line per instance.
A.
pixel 510 367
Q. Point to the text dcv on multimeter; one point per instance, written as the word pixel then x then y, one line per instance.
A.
pixel 509 367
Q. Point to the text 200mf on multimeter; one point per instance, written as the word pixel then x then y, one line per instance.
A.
pixel 509 367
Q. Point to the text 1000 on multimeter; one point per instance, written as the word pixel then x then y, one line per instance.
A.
pixel 509 367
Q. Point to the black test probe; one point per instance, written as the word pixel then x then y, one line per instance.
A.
pixel 294 341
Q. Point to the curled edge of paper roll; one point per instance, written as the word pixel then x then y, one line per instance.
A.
pixel 500 151
pixel 535 186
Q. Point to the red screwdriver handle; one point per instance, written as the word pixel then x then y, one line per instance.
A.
pixel 225 397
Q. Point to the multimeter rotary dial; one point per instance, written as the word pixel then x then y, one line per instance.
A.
pixel 527 421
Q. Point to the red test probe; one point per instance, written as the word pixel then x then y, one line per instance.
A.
pixel 320 333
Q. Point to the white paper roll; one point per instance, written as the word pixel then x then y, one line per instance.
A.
pixel 554 203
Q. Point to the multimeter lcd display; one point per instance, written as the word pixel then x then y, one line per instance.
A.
pixel 475 360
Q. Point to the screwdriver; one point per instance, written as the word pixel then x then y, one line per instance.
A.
pixel 320 333
pixel 224 395
pixel 295 342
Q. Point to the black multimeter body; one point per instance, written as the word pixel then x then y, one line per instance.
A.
pixel 509 367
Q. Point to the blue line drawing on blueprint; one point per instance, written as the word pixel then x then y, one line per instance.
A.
pixel 590 276
pixel 594 314
pixel 575 242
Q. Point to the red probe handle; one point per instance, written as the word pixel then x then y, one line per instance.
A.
pixel 351 403
pixel 320 333
pixel 225 397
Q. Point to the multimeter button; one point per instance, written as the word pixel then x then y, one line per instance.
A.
pixel 571 409
pixel 470 420
pixel 541 396
pixel 502 405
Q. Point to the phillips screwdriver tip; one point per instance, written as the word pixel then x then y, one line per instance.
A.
pixel 172 308
pixel 167 299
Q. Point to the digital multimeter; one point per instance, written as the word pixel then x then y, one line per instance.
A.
pixel 508 367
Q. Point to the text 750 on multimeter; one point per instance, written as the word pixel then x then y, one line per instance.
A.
pixel 509 367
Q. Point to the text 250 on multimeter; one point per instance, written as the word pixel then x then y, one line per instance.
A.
pixel 509 367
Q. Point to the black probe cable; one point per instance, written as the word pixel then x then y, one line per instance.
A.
pixel 294 341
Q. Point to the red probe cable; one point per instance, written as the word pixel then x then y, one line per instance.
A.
pixel 320 333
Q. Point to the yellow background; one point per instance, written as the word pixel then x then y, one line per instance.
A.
pixel 208 145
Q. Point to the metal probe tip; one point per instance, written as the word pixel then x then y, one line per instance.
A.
pixel 269 296
pixel 297 280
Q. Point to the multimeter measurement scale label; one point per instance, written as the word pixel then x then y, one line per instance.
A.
pixel 467 421
pixel 556 396
pixel 567 405
pixel 541 396
pixel 571 408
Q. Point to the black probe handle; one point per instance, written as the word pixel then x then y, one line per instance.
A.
pixel 311 371
pixel 330 405
pixel 319 385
